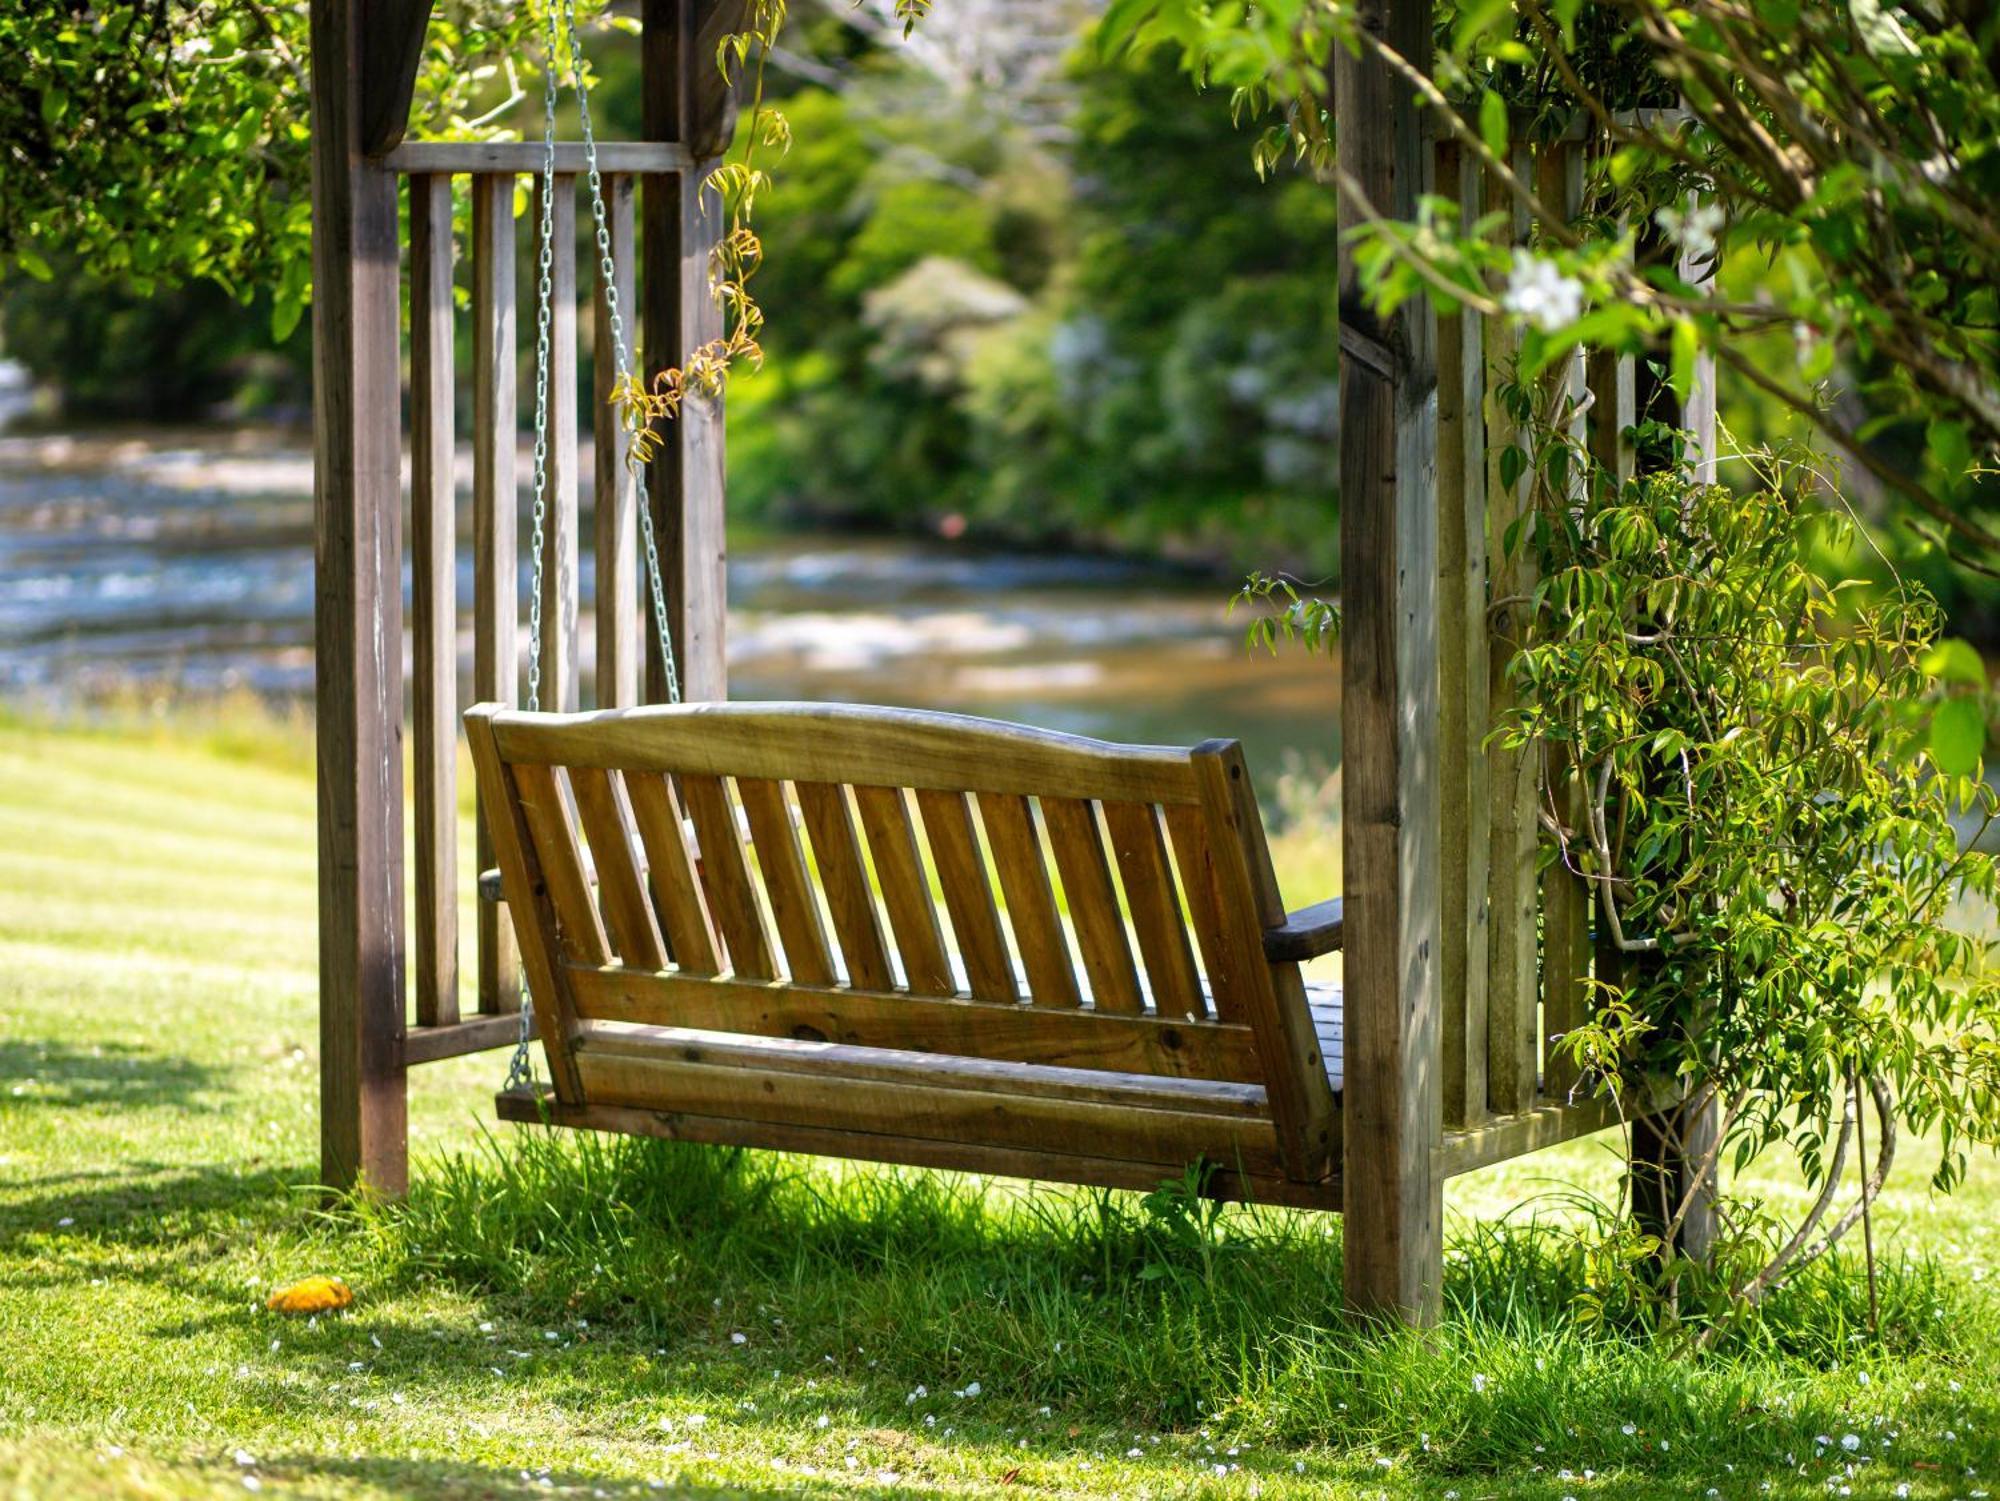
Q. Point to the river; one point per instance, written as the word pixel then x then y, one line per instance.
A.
pixel 179 565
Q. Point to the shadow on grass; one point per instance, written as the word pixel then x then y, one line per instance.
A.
pixel 121 1075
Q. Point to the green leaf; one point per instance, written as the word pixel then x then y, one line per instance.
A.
pixel 1950 446
pixel 1955 661
pixel 1958 736
pixel 1512 463
pixel 1685 347
pixel 34 265
pixel 1493 123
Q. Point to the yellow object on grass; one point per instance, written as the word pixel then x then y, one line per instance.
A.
pixel 312 1295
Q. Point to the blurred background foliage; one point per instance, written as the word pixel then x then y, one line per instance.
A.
pixel 1050 304
pixel 1016 290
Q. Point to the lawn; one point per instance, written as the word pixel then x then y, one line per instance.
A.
pixel 592 1317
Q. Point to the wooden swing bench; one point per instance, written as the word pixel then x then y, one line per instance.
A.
pixel 686 986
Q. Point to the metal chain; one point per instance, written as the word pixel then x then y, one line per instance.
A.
pixel 607 280
pixel 521 1068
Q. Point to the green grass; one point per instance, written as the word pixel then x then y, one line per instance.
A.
pixel 587 1315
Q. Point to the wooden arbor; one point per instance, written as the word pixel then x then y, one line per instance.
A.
pixel 365 57
pixel 1461 963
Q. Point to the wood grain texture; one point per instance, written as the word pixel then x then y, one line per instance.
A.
pixel 725 875
pixel 565 877
pixel 392 50
pixel 1464 827
pixel 1155 906
pixel 1223 1183
pixel 621 879
pixel 968 894
pixel 357 617
pixel 1031 900
pixel 522 158
pixel 850 898
pixel 1513 901
pixel 996 1030
pixel 529 901
pixel 1308 933
pixel 794 903
pixel 433 604
pixel 683 908
pixel 496 605
pixel 560 676
pixel 860 745
pixel 621 582
pixel 1227 981
pixel 1388 550
pixel 1273 996
pixel 1093 903
pixel 906 892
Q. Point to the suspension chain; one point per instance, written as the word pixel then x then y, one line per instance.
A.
pixel 521 1068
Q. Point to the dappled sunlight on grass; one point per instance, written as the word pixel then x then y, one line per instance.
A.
pixel 576 1314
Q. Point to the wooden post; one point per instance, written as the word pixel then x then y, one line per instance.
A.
pixel 1393 1203
pixel 358 609
pixel 1465 833
pixel 681 220
pixel 621 585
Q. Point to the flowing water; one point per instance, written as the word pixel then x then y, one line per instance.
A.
pixel 181 564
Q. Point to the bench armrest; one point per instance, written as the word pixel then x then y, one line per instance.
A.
pixel 1306 933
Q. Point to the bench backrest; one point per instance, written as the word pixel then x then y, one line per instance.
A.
pixel 893 878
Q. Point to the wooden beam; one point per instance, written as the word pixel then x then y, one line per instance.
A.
pixel 637 158
pixel 681 220
pixel 358 620
pixel 1388 550
pixel 392 47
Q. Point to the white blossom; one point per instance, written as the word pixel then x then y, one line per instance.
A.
pixel 1538 291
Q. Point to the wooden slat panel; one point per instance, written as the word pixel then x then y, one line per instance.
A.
pixel 968 894
pixel 815 1098
pixel 885 816
pixel 511 158
pixel 621 883
pixel 676 886
pixel 850 900
pixel 1511 993
pixel 496 604
pixel 1224 1183
pixel 433 604
pixel 1093 904
pixel 578 927
pixel 1031 900
pixel 529 893
pixel 1565 939
pixel 559 547
pixel 1465 833
pixel 1302 1104
pixel 732 899
pixel 794 907
pixel 1156 909
pixel 1196 863
pixel 860 745
pixel 1000 1030
pixel 621 583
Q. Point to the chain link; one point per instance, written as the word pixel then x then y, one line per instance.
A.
pixel 521 1068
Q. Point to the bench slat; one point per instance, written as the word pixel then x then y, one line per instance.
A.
pixel 1156 910
pixel 968 894
pixel 683 913
pixel 906 892
pixel 578 927
pixel 621 886
pixel 794 907
pixel 998 1030
pixel 1093 904
pixel 844 879
pixel 1197 870
pixel 731 895
pixel 1031 901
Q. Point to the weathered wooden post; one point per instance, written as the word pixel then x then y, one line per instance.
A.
pixel 365 55
pixel 1388 546
pixel 358 602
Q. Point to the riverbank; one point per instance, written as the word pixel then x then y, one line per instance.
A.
pixel 588 1317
